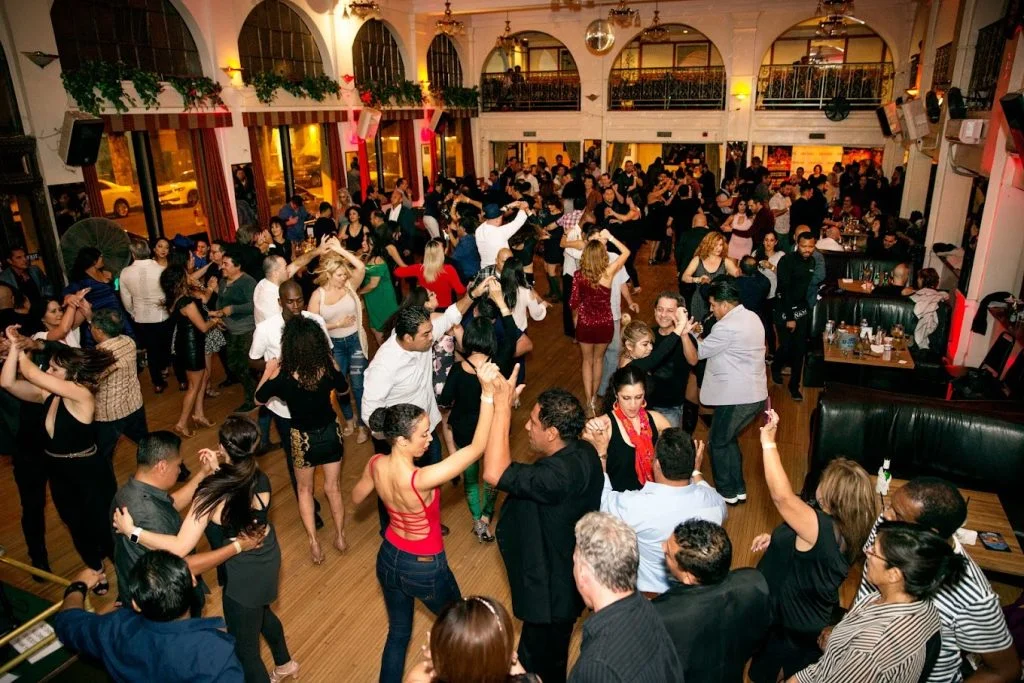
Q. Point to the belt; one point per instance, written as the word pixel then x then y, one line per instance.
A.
pixel 91 450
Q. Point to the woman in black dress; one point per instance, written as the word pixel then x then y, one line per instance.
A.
pixel 355 234
pixel 191 324
pixel 232 500
pixel 304 378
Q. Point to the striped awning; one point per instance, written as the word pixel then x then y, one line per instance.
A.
pixel 120 123
pixel 252 119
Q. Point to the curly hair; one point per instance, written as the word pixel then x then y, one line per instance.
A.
pixel 330 263
pixel 594 262
pixel 707 245
pixel 174 283
pixel 305 353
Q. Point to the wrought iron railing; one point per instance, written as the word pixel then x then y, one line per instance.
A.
pixel 531 91
pixel 988 56
pixel 942 74
pixel 864 85
pixel 701 87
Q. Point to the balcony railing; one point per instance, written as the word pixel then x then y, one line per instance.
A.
pixel 988 56
pixel 658 89
pixel 864 85
pixel 531 91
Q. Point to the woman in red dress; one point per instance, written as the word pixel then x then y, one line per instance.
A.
pixel 591 306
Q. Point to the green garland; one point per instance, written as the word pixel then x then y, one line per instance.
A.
pixel 266 84
pixel 199 91
pixel 400 94
pixel 319 87
pixel 94 84
pixel 148 86
pixel 457 97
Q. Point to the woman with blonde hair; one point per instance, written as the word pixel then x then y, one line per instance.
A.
pixel 708 263
pixel 337 302
pixel 809 555
pixel 435 275
pixel 591 306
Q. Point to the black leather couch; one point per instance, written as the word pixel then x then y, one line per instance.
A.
pixel 928 377
pixel 840 264
pixel 974 444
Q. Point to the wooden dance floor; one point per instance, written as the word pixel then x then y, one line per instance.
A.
pixel 334 615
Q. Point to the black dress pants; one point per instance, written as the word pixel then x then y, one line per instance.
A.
pixel 156 339
pixel 544 649
pixel 792 350
pixel 30 478
pixel 82 490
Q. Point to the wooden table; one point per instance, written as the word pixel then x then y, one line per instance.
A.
pixel 834 355
pixel 854 286
pixel 985 513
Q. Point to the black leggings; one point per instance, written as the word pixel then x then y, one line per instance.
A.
pixel 246 624
pixel 82 490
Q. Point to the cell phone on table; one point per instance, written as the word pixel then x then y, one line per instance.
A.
pixel 767 410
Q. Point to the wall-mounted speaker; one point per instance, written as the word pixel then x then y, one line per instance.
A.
pixel 1013 108
pixel 435 120
pixel 932 106
pixel 955 104
pixel 369 119
pixel 80 138
pixel 915 119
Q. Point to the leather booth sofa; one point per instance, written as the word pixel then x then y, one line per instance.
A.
pixel 840 264
pixel 928 377
pixel 974 444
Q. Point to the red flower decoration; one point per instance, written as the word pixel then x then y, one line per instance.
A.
pixel 348 78
pixel 366 97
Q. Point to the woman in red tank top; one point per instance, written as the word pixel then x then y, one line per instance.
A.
pixel 411 562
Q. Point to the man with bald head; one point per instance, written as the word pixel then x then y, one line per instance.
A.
pixel 899 285
pixel 266 344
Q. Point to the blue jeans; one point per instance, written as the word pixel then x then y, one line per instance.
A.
pixel 611 358
pixel 674 414
pixel 348 354
pixel 726 458
pixel 404 577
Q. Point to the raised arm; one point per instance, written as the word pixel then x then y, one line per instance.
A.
pixel 497 454
pixel 357 265
pixel 51 383
pixel 19 388
pixel 302 261
pixel 620 261
pixel 795 512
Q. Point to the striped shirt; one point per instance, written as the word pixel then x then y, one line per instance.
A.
pixel 972 620
pixel 877 643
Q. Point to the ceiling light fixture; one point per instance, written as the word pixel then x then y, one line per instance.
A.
pixel 361 9
pixel 507 41
pixel 448 24
pixel 834 14
pixel 656 32
pixel 624 15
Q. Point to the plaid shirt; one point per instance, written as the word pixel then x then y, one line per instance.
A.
pixel 119 394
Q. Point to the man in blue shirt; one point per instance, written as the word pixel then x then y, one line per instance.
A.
pixel 465 254
pixel 294 215
pixel 153 640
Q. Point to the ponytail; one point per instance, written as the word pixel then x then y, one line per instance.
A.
pixel 395 421
pixel 926 560
pixel 235 482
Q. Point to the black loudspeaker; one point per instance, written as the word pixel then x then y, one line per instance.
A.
pixel 932 106
pixel 80 138
pixel 955 104
pixel 883 121
pixel 1013 109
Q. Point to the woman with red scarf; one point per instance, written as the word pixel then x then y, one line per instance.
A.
pixel 625 435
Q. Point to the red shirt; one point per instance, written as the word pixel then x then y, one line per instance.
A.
pixel 446 281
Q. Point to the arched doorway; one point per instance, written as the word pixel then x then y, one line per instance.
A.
pixel 537 74
pixel 683 71
pixel 812 64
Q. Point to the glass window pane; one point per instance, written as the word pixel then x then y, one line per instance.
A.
pixel 453 153
pixel 119 184
pixel 692 55
pixel 657 56
pixel 176 187
pixel 307 158
pixel 786 52
pixel 864 50
pixel 392 155
pixel 273 169
pixel 544 59
pixel 828 51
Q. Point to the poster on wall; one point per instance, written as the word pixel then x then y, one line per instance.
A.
pixel 855 155
pixel 70 204
pixel 245 194
pixel 779 162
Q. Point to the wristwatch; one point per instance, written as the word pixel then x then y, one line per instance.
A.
pixel 134 536
pixel 77 587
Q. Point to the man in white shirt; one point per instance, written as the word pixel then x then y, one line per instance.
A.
pixel 734 381
pixel 144 300
pixel 832 241
pixel 780 203
pixel 492 236
pixel 677 494
pixel 265 297
pixel 266 344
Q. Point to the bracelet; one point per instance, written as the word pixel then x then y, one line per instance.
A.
pixel 238 546
pixel 769 445
pixel 486 399
pixel 76 587
pixel 696 473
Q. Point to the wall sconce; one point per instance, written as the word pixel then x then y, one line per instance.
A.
pixel 740 96
pixel 231 70
pixel 39 58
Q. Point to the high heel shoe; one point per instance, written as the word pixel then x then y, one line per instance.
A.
pixel 482 532
pixel 284 671
pixel 202 421
pixel 315 553
pixel 182 432
pixel 102 587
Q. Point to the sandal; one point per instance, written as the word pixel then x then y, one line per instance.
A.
pixel 284 671
pixel 202 421
pixel 364 435
pixel 212 393
pixel 182 432
pixel 103 587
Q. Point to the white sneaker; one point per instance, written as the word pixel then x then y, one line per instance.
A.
pixel 732 500
pixel 741 496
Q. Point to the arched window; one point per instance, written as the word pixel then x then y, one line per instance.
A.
pixel 539 73
pixel 147 35
pixel 683 71
pixel 443 67
pixel 813 63
pixel 375 54
pixel 275 38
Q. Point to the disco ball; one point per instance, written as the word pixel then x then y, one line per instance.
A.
pixel 599 36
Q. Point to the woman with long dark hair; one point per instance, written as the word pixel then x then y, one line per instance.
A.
pixel 82 483
pixel 61 323
pixel 411 562
pixel 232 500
pixel 471 641
pixel 90 272
pixel 304 378
pixel 191 323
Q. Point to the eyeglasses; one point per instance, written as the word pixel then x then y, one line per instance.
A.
pixel 871 553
